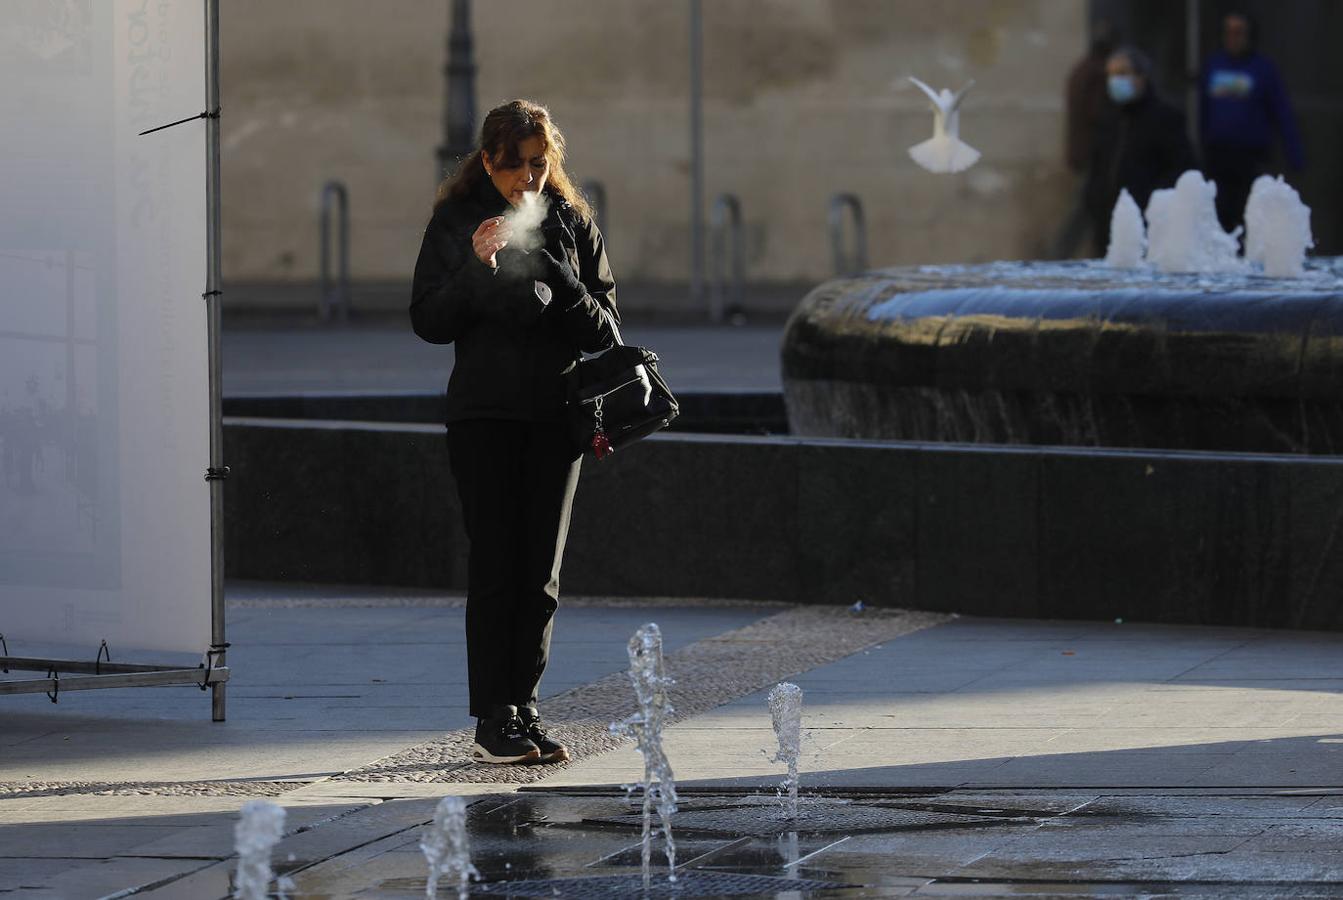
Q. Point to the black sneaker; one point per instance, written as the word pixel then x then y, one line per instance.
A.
pixel 501 738
pixel 551 750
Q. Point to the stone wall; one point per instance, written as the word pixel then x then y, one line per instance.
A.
pixel 1033 532
pixel 803 98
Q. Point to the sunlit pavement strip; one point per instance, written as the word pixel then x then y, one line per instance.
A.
pixel 708 674
pixel 1028 704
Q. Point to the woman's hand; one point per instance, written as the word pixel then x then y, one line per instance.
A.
pixel 490 237
pixel 560 277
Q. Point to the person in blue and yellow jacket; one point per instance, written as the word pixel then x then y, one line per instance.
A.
pixel 1243 107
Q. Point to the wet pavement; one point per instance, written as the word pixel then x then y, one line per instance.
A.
pixel 868 845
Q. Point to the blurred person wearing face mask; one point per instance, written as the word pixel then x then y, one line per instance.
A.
pixel 1140 144
pixel 1243 107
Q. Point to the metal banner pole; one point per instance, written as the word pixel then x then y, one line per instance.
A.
pixel 696 150
pixel 217 472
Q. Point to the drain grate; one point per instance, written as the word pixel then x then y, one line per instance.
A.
pixel 622 887
pixel 830 818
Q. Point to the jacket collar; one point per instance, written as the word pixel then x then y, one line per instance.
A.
pixel 487 195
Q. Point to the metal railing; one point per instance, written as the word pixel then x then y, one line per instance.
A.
pixel 848 263
pixel 725 229
pixel 595 191
pixel 334 302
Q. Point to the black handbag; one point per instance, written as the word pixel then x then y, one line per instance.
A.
pixel 618 397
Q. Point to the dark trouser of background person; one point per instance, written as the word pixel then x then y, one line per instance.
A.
pixel 1233 170
pixel 516 482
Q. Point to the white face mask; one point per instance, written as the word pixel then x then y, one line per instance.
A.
pixel 1122 88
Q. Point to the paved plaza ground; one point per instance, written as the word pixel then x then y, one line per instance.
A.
pixel 267 356
pixel 943 756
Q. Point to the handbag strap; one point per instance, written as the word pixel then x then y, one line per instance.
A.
pixel 611 321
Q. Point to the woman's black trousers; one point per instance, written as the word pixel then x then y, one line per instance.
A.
pixel 516 482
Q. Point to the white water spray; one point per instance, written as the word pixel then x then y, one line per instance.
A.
pixel 1277 228
pixel 791 854
pixel 1128 234
pixel 446 849
pixel 659 785
pixel 1183 234
pixel 785 709
pixel 260 827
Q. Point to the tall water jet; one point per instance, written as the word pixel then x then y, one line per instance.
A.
pixel 446 848
pixel 1183 234
pixel 791 854
pixel 1128 234
pixel 785 709
pixel 260 827
pixel 1277 228
pixel 650 681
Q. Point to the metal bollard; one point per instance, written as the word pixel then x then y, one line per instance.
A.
pixel 334 302
pixel 724 229
pixel 846 264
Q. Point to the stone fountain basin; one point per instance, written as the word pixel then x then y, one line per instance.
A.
pixel 1072 354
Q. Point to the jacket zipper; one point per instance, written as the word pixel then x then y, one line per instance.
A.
pixel 593 399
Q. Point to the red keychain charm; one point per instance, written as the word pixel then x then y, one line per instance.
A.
pixel 601 445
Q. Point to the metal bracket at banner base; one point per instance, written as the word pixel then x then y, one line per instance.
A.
pixel 209 665
pixel 115 675
pixel 216 473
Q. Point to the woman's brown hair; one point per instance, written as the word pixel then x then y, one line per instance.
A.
pixel 505 127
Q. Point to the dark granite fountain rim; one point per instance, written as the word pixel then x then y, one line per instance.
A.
pixel 1324 275
pixel 1008 332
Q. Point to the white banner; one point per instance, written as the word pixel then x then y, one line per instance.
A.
pixel 104 510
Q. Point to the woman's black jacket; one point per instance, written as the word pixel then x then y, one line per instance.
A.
pixel 512 346
pixel 1140 147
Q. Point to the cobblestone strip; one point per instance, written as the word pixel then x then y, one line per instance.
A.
pixel 708 674
pixel 10 790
